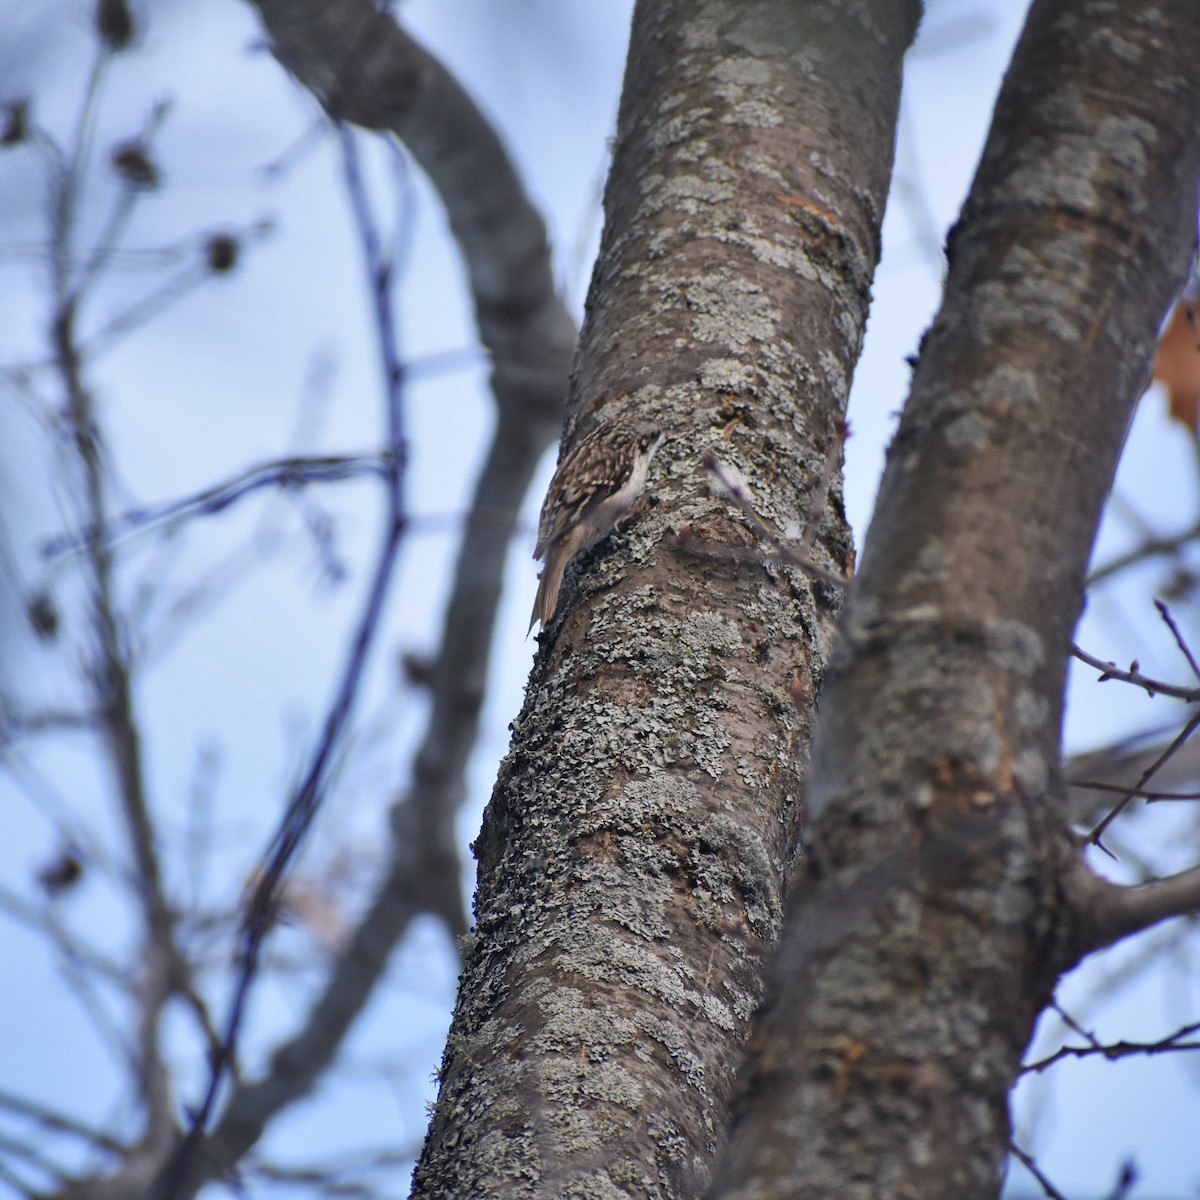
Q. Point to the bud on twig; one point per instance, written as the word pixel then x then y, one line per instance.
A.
pixel 114 23
pixel 222 252
pixel 134 164
pixel 15 128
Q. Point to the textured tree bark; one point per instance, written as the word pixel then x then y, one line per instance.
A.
pixel 935 918
pixel 635 853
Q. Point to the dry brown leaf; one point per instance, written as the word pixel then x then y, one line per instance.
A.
pixel 1177 363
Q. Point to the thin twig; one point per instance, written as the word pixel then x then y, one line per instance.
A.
pixel 65 188
pixel 110 674
pixel 1070 1022
pixel 59 1122
pixel 1027 1161
pixel 1100 786
pixel 106 243
pixel 1155 687
pixel 1150 547
pixel 1122 1049
pixel 733 490
pixel 289 472
pixel 1144 778
pixel 305 802
pixel 1180 641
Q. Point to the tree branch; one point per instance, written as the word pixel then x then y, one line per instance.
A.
pixel 1181 739
pixel 366 69
pixel 189 1155
pixel 291 471
pixel 399 86
pixel 1153 687
pixel 635 850
pixel 937 746
pixel 1028 1162
pixel 1105 912
pixel 1150 547
pixel 1111 765
pixel 111 671
pixel 1170 1043
pixel 57 1122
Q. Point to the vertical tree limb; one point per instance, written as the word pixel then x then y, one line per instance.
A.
pixel 110 670
pixel 931 926
pixel 637 846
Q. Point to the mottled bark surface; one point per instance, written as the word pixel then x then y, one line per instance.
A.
pixel 939 909
pixel 635 853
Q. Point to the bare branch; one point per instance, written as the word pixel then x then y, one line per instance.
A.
pixel 793 552
pixel 531 349
pixel 303 805
pixel 70 168
pixel 1153 687
pixel 110 673
pixel 1149 547
pixel 1170 1043
pixel 137 173
pixel 366 69
pixel 289 472
pixel 1180 740
pixel 1028 1163
pixel 1100 785
pixel 1177 634
pixel 1106 912
pixel 57 1122
pixel 425 870
pixel 530 337
pixel 1111 764
pixel 1070 1022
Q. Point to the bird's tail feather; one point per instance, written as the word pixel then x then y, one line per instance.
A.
pixel 546 600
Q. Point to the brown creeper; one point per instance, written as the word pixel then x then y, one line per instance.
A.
pixel 593 488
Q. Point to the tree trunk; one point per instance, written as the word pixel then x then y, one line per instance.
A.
pixel 945 895
pixel 636 850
